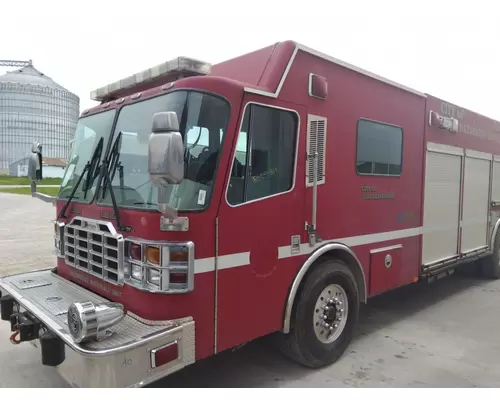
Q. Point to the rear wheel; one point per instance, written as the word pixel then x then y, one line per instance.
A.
pixel 490 266
pixel 324 316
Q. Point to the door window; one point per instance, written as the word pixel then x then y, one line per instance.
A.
pixel 264 162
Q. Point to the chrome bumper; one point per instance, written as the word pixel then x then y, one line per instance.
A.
pixel 125 359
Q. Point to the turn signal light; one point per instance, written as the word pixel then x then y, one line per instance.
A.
pixel 153 255
pixel 178 255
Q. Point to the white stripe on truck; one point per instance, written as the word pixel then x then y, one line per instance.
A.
pixel 241 259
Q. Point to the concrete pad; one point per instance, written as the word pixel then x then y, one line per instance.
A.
pixel 439 335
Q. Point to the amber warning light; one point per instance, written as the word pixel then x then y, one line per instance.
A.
pixel 442 122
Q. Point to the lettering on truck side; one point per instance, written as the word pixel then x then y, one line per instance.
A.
pixel 459 113
pixel 97 284
pixel 370 193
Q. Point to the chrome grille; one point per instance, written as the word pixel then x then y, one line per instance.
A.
pixel 94 247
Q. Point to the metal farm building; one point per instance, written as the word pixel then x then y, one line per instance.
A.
pixel 34 108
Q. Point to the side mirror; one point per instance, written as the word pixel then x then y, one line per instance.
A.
pixel 166 150
pixel 35 163
pixel 165 157
pixel 35 173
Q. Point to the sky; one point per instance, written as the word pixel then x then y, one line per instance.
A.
pixel 446 48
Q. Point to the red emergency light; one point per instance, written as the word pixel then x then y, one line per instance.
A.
pixel 170 71
pixel 442 122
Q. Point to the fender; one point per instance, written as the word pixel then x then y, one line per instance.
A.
pixel 354 264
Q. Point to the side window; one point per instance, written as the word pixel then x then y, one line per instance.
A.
pixel 265 154
pixel 197 139
pixel 379 148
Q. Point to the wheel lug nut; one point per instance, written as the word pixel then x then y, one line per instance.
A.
pixel 336 325
pixel 327 308
pixel 324 316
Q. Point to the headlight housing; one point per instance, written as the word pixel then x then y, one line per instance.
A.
pixel 159 267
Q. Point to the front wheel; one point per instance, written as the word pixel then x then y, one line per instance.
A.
pixel 324 316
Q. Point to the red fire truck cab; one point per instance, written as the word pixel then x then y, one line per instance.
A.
pixel 204 206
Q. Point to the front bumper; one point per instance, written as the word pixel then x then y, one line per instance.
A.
pixel 125 359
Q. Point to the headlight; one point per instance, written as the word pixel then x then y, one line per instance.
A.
pixel 154 276
pixel 137 272
pixel 87 320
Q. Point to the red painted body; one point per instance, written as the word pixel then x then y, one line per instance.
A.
pixel 251 299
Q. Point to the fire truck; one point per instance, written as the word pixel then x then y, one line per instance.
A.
pixel 204 206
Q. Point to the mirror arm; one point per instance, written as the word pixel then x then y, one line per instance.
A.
pixel 42 196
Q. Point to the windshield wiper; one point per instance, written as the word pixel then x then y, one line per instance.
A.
pixel 105 172
pixel 87 169
pixel 113 165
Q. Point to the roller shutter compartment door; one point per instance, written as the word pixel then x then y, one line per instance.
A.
pixel 495 192
pixel 475 206
pixel 441 206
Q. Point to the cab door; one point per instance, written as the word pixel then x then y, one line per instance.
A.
pixel 261 210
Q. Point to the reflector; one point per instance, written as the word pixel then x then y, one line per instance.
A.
pixel 164 354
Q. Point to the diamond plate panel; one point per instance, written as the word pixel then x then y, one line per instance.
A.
pixel 54 298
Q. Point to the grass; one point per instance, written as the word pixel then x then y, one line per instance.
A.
pixel 23 180
pixel 51 191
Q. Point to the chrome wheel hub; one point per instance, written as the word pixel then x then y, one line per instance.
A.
pixel 330 313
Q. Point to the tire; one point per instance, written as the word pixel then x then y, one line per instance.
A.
pixel 302 344
pixel 490 265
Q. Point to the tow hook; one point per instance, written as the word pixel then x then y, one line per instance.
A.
pixel 25 326
pixel 13 339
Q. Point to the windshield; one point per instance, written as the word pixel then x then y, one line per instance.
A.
pixel 89 132
pixel 202 123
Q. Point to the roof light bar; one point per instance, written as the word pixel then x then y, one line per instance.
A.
pixel 169 71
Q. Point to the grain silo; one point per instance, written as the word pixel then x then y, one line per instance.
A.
pixel 34 108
